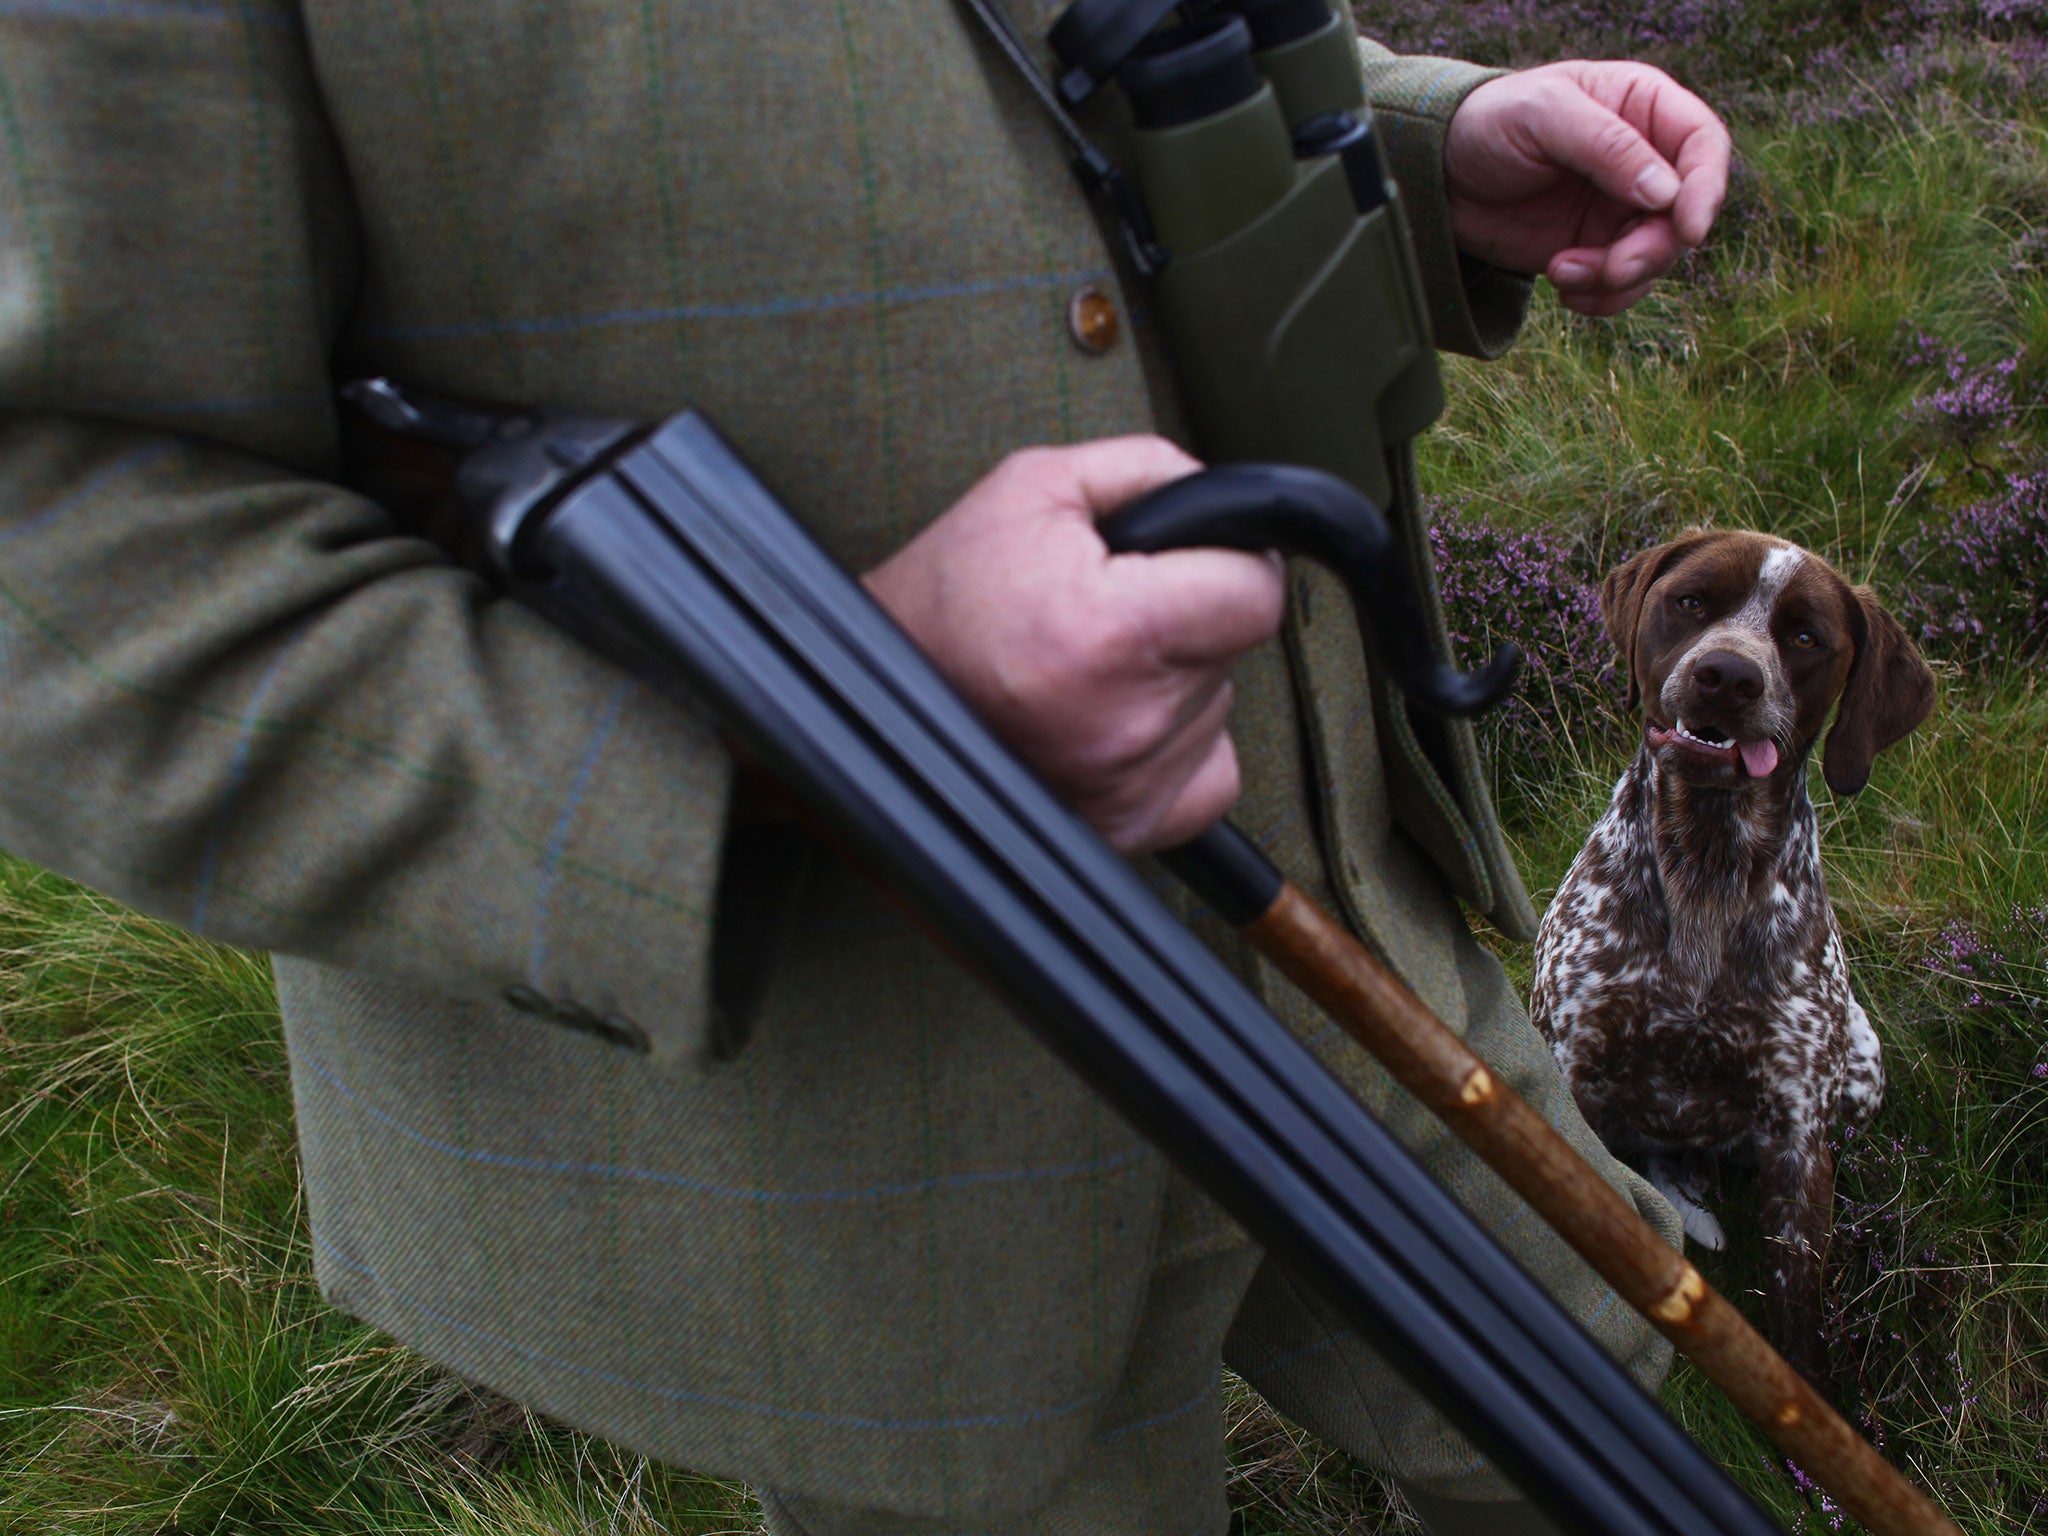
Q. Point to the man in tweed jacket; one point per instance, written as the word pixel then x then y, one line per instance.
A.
pixel 882 1256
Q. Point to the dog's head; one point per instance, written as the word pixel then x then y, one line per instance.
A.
pixel 1738 645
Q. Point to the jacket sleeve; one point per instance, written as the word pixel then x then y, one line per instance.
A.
pixel 237 695
pixel 1475 308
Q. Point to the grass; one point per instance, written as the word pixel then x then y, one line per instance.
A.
pixel 166 1365
pixel 165 1361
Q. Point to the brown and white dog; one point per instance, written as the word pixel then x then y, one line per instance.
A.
pixel 1690 976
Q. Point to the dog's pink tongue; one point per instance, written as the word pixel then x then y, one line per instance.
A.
pixel 1759 757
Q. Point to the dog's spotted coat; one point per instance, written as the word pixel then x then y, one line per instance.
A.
pixel 1690 975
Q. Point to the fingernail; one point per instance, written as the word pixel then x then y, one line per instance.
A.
pixel 1571 274
pixel 1657 186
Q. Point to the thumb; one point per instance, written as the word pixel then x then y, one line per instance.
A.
pixel 1108 472
pixel 1582 135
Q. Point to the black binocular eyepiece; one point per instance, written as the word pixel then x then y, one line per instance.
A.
pixel 1214 58
pixel 1199 67
pixel 1184 73
pixel 1275 23
pixel 1093 38
pixel 1352 141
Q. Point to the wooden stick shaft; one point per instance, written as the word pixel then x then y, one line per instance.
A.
pixel 1431 1062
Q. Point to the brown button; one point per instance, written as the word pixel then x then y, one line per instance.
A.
pixel 1092 319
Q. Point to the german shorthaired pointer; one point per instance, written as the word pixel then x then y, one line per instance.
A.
pixel 1689 975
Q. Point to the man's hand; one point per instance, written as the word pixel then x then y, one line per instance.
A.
pixel 1108 674
pixel 1599 175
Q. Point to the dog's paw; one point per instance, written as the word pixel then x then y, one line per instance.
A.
pixel 1685 1195
pixel 1702 1226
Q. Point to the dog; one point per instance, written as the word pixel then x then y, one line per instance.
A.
pixel 1690 975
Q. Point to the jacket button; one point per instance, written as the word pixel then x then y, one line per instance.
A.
pixel 519 995
pixel 1092 319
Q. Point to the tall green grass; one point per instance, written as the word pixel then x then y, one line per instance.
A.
pixel 165 1361
pixel 165 1364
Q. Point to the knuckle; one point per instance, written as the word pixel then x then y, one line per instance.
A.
pixel 1116 750
pixel 1031 693
pixel 1067 657
pixel 1615 142
pixel 1271 597
pixel 1024 467
pixel 1129 803
pixel 1023 459
pixel 1099 642
pixel 1222 785
pixel 1207 799
pixel 1148 444
pixel 1123 815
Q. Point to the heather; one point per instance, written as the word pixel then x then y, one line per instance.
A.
pixel 1536 589
pixel 1858 361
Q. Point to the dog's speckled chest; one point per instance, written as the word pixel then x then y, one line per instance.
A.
pixel 1689 973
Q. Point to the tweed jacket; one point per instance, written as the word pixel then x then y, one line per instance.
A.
pixel 890 1233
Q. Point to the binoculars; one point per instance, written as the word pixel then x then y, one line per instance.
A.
pixel 1280 266
pixel 1286 281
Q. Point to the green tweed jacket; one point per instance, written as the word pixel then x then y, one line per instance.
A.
pixel 888 1234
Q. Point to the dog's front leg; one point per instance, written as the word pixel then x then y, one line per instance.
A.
pixel 1796 1190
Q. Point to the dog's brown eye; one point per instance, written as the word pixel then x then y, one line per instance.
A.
pixel 1690 603
pixel 1806 640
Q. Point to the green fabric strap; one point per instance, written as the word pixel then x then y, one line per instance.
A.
pixel 1436 776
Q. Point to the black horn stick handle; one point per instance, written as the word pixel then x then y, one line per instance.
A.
pixel 1318 515
pixel 1302 511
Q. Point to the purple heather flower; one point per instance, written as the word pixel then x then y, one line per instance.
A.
pixel 1527 586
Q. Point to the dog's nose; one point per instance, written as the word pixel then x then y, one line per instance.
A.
pixel 1724 677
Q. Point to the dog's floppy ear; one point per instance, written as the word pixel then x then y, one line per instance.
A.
pixel 1890 690
pixel 1622 595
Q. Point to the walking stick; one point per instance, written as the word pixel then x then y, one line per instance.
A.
pixel 1258 507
